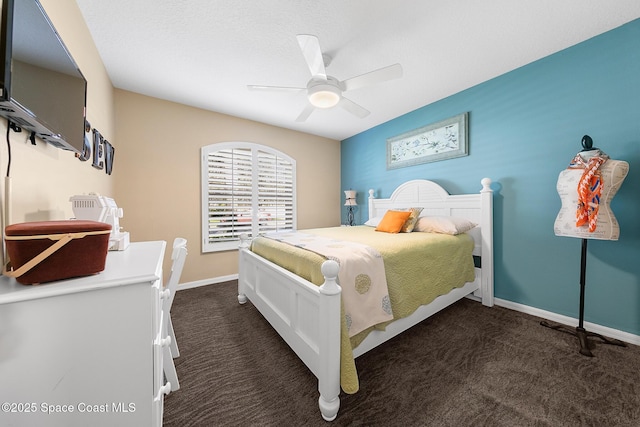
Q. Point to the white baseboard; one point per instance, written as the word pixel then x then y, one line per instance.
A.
pixel 212 281
pixel 548 315
pixel 566 320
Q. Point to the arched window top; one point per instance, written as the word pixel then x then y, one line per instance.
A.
pixel 246 188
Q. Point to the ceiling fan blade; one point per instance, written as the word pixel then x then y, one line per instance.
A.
pixel 305 113
pixel 276 88
pixel 312 53
pixel 353 108
pixel 380 75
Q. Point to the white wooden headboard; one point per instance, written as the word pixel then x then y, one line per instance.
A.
pixel 436 201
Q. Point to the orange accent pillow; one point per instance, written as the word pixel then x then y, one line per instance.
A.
pixel 392 221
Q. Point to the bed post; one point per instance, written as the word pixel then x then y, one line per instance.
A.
pixel 329 342
pixel 244 245
pixel 486 227
pixel 371 198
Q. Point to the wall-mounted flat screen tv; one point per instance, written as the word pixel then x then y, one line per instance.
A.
pixel 41 88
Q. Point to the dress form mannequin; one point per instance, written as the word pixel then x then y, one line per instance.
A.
pixel 602 225
pixel 613 173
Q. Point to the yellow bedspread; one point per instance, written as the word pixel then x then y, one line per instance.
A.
pixel 418 266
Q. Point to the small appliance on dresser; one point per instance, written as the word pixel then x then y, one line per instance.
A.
pixel 95 207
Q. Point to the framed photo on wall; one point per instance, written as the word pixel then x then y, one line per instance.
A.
pixel 446 139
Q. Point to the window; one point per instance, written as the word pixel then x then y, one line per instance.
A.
pixel 246 188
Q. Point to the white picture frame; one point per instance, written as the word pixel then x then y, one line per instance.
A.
pixel 446 139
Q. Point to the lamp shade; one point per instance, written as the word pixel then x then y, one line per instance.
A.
pixel 350 198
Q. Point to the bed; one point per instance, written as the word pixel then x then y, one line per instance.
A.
pixel 311 318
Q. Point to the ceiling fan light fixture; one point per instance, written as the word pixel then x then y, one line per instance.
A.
pixel 324 95
pixel 325 91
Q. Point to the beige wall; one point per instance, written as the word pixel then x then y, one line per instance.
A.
pixel 157 174
pixel 44 177
pixel 156 171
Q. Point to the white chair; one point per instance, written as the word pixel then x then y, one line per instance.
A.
pixel 178 257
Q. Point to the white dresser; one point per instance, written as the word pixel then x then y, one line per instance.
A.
pixel 86 351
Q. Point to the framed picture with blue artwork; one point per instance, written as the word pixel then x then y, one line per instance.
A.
pixel 446 139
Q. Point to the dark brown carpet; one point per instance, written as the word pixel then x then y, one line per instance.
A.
pixel 467 366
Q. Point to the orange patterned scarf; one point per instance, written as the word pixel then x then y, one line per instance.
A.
pixel 589 189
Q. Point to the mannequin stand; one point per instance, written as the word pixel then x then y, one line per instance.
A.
pixel 582 334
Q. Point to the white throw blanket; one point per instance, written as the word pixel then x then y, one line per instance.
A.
pixel 365 296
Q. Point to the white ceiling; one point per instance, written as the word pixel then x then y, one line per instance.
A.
pixel 204 53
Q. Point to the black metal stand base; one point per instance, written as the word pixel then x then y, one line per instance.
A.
pixel 580 332
pixel 583 337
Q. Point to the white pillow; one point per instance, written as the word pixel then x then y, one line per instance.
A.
pixel 444 224
pixel 373 222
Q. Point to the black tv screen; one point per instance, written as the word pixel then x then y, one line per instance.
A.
pixel 42 89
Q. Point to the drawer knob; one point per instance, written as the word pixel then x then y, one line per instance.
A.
pixel 165 389
pixel 165 342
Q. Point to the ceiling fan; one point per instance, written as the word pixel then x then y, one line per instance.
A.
pixel 324 91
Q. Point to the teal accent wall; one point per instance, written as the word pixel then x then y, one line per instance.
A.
pixel 524 128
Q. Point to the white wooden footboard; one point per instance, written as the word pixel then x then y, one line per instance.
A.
pixel 306 316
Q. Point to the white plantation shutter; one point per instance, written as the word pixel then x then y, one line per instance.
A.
pixel 247 188
pixel 275 193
